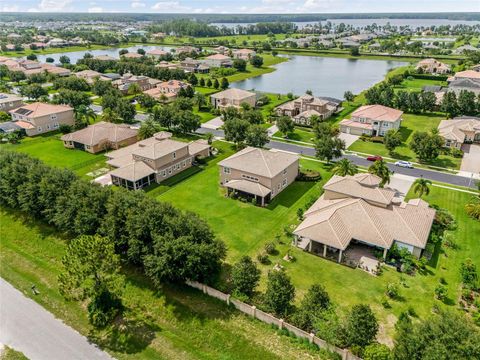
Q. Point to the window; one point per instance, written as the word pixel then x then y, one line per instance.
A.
pixel 251 178
pixel 285 172
pixel 170 170
pixel 174 155
pixel 48 126
pixel 284 182
pixel 53 116
pixel 39 129
pixel 55 125
pixel 164 173
pixel 278 187
pixel 226 170
pixel 184 163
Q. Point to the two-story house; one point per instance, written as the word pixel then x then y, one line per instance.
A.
pixel 169 89
pixel 233 98
pixel 303 108
pixel 39 118
pixel 218 60
pixel 9 102
pixel 374 120
pixel 259 173
pixel 153 160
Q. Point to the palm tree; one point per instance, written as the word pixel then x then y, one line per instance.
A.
pixel 148 129
pixel 421 187
pixel 344 167
pixel 109 115
pixel 473 208
pixel 134 89
pixel 380 169
pixel 199 99
pixel 83 115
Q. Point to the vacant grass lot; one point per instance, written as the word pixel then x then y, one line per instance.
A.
pixel 410 123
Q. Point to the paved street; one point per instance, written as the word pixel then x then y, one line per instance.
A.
pixel 29 328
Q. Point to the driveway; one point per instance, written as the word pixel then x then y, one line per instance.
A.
pixel 29 328
pixel 401 183
pixel 348 138
pixel 213 124
pixel 471 158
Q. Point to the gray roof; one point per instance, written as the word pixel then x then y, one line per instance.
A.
pixel 466 82
pixel 8 127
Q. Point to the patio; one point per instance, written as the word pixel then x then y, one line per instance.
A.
pixel 362 256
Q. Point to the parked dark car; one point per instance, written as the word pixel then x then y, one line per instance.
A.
pixel 374 158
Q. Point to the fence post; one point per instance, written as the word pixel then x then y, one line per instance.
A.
pixel 310 338
pixel 254 311
pixel 280 324
pixel 228 299
pixel 345 354
pixel 204 288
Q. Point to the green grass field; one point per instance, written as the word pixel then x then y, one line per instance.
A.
pixel 410 123
pixel 10 354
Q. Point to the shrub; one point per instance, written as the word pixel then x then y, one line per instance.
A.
pixel 270 248
pixel 377 139
pixel 392 291
pixel 263 258
pixel 441 292
pixel 457 153
pixel 385 303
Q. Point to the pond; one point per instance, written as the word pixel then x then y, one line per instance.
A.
pixel 113 52
pixel 324 76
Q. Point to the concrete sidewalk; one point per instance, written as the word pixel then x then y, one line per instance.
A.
pixel 29 328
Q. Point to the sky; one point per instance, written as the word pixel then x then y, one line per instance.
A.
pixel 240 6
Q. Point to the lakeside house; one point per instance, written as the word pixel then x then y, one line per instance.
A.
pixel 30 67
pixel 373 120
pixel 218 60
pixel 303 108
pixel 432 66
pixel 143 82
pixel 39 118
pixel 100 137
pixel 459 131
pixel 221 50
pixel 156 53
pixel 233 98
pixel 130 55
pixel 104 58
pixel 194 66
pixel 168 89
pixel 9 102
pixel 244 54
pixel 259 173
pixel 91 75
pixel 153 160
pixel 355 210
pixel 186 50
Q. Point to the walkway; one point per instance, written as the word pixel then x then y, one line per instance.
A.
pixel 29 328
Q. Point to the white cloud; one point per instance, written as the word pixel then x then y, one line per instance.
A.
pixel 316 5
pixel 54 5
pixel 171 7
pixel 95 9
pixel 11 8
pixel 137 5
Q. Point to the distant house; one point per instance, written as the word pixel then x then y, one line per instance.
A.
pixel 131 55
pixel 9 102
pixel 153 160
pixel 303 108
pixel 186 50
pixel 169 89
pixel 100 137
pixel 432 66
pixel 465 48
pixel 218 60
pixel 459 131
pixel 244 54
pixel 374 120
pixel 144 82
pixel 157 53
pixel 260 173
pixel 90 76
pixel 467 84
pixel 30 67
pixel 233 98
pixel 354 209
pixel 167 65
pixel 104 58
pixel 57 42
pixel 467 74
pixel 39 118
pixel 194 66
pixel 222 50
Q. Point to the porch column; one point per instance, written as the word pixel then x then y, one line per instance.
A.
pixel 324 250
pixel 295 240
pixel 385 254
pixel 310 246
pixel 340 256
pixel 263 201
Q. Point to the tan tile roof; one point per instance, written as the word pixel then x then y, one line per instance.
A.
pixel 5 98
pixel 357 188
pixel 471 74
pixel 218 57
pixel 40 109
pixel 104 58
pixel 377 112
pixel 132 55
pixel 159 149
pixel 454 129
pixel 249 187
pixel 198 146
pixel 134 171
pixel 233 93
pixel 337 222
pixel 261 162
pixel 100 132
pixel 159 52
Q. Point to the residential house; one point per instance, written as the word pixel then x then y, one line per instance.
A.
pixel 303 108
pixel 218 60
pixel 100 137
pixel 169 89
pixel 467 84
pixel 104 58
pixel 157 53
pixel 90 76
pixel 460 130
pixel 467 74
pixel 57 42
pixel 222 50
pixel 194 66
pixel 355 210
pixel 432 66
pixel 186 50
pixel 30 67
pixel 233 98
pixel 167 65
pixel 465 49
pixel 244 54
pixel 9 102
pixel 39 118
pixel 374 120
pixel 144 82
pixel 259 173
pixel 153 160
pixel 131 55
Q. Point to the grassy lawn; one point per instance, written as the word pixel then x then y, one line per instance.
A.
pixel 49 148
pixel 299 134
pixel 7 353
pixel 410 123
pixel 251 71
pixel 54 50
pixel 418 84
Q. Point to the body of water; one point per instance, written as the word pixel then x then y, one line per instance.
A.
pixel 413 23
pixel 324 76
pixel 113 52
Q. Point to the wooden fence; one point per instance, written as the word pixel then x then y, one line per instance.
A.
pixel 270 319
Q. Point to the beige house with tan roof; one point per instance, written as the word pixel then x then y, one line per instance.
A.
pixel 169 89
pixel 39 118
pixel 355 209
pixel 432 66
pixel 153 160
pixel 460 130
pixel 233 98
pixel 244 54
pixel 218 60
pixel 303 108
pixel 91 75
pixel 374 120
pixel 9 101
pixel 100 137
pixel 260 173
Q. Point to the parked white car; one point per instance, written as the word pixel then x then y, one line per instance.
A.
pixel 404 164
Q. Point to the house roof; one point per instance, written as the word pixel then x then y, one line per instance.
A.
pixel 455 129
pixel 336 222
pixel 102 131
pixel 88 73
pixel 40 109
pixel 355 124
pixel 132 55
pixel 157 52
pixel 134 171
pixel 249 187
pixel 104 58
pixel 378 112
pixel 9 126
pixel 359 186
pixel 218 57
pixel 471 74
pixel 5 98
pixel 465 83
pixel 266 163
pixel 233 93
pixel 159 149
